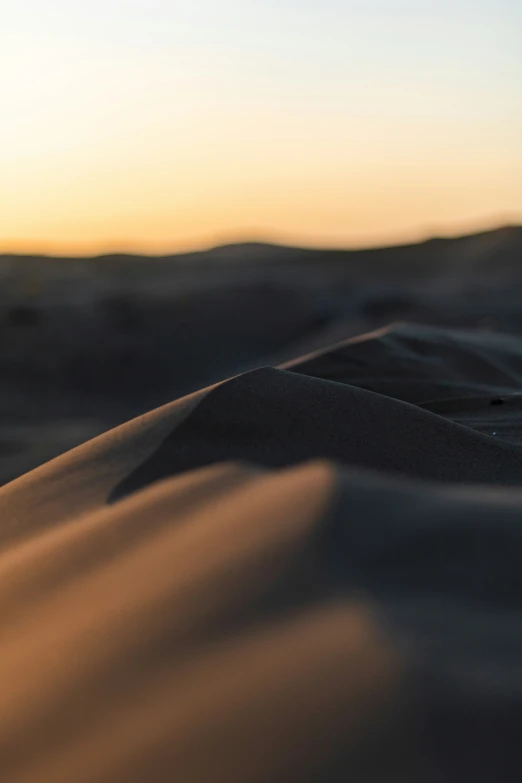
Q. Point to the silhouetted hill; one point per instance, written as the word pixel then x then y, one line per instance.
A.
pixel 431 257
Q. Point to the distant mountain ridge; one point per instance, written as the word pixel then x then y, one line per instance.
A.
pixel 487 245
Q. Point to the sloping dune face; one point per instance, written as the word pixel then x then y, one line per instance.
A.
pixel 89 343
pixel 306 574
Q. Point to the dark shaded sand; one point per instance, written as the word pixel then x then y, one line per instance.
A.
pixel 310 574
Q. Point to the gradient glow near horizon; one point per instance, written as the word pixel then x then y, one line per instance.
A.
pixel 158 126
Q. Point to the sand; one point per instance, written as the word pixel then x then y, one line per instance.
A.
pixel 306 573
pixel 90 343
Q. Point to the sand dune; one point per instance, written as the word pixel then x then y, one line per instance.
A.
pixel 88 344
pixel 304 573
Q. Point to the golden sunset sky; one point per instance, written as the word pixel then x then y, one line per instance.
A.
pixel 159 126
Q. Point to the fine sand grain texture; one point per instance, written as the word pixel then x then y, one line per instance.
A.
pixel 303 574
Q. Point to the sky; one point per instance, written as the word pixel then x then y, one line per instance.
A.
pixel 160 126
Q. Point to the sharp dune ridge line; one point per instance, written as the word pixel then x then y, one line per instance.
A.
pixel 90 343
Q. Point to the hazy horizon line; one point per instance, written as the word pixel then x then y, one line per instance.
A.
pixel 120 247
